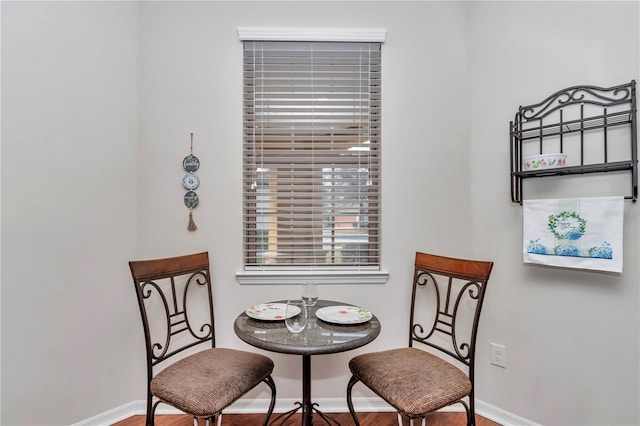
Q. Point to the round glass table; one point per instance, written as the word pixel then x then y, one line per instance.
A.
pixel 318 337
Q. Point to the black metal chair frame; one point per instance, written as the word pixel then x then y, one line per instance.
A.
pixel 194 269
pixel 452 279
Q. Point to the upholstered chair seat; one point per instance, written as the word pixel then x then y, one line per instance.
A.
pixel 412 380
pixel 211 380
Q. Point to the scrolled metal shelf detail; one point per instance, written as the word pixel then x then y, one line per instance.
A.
pixel 578 121
pixel 577 95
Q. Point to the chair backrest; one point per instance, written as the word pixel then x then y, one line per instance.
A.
pixel 176 304
pixel 446 302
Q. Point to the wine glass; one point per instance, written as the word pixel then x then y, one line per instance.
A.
pixel 296 315
pixel 310 293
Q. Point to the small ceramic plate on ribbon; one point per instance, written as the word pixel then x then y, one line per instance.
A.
pixel 191 199
pixel 271 311
pixel 344 314
pixel 191 162
pixel 191 181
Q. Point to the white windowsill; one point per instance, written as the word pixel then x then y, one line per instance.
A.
pixel 321 277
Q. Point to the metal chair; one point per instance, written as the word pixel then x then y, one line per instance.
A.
pixel 446 302
pixel 176 305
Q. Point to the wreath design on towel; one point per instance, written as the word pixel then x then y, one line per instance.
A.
pixel 567 226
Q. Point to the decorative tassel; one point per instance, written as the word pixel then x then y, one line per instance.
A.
pixel 192 225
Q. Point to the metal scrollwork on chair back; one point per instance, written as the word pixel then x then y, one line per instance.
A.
pixel 179 320
pixel 147 288
pixel 449 295
pixel 206 329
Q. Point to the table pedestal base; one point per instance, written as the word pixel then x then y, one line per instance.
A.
pixel 306 405
pixel 307 420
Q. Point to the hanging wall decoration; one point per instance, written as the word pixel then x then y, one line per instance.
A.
pixel 191 181
pixel 578 233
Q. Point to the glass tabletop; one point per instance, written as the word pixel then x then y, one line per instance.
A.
pixel 318 337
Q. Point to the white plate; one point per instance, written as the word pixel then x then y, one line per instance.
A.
pixel 271 311
pixel 344 314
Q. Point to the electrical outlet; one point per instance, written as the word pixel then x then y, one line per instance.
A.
pixel 498 355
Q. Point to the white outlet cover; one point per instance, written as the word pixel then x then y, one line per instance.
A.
pixel 498 355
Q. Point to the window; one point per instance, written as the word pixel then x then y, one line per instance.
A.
pixel 311 155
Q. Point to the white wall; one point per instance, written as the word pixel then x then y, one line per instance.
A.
pixel 449 89
pixel 69 123
pixel 571 336
pixel 191 61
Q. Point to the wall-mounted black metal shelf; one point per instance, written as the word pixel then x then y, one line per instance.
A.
pixel 583 120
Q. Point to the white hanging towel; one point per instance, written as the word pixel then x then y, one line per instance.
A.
pixel 582 233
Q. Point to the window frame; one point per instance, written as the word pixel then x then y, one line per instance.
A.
pixel 321 274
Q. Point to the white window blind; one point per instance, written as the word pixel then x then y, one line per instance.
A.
pixel 311 154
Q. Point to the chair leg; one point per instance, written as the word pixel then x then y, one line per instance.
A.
pixel 151 412
pixel 471 415
pixel 352 381
pixel 269 381
pixel 149 420
pixel 423 420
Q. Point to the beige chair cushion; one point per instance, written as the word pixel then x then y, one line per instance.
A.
pixel 413 381
pixel 206 382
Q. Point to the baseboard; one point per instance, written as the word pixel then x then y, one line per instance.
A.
pixel 115 415
pixel 328 405
pixel 501 416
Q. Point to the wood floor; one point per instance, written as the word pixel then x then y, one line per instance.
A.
pixel 366 419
